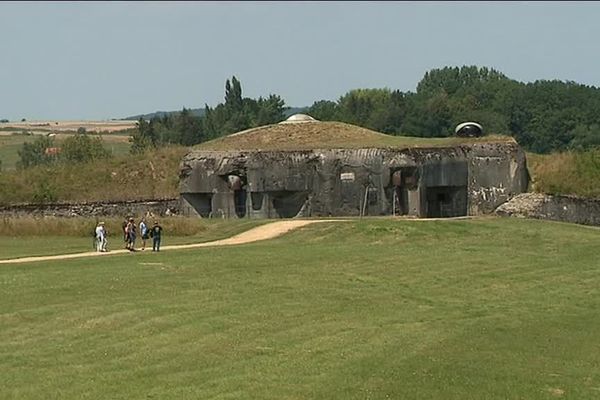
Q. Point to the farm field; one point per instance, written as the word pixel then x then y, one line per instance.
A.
pixel 68 126
pixel 10 144
pixel 9 149
pixel 370 309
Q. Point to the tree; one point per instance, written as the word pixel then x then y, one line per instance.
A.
pixel 324 110
pixel 233 94
pixel 143 137
pixel 188 128
pixel 36 153
pixel 238 113
pixel 82 148
pixel 585 137
pixel 267 111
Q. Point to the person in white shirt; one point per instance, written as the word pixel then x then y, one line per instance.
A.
pixel 144 232
pixel 101 239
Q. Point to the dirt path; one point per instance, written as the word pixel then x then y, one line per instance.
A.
pixel 263 232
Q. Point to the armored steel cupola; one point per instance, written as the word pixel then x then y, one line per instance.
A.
pixel 299 118
pixel 468 129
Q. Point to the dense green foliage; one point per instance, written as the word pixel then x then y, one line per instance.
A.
pixel 34 153
pixel 235 114
pixel 374 309
pixel 543 116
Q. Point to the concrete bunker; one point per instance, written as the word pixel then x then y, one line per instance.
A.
pixel 404 182
pixel 298 180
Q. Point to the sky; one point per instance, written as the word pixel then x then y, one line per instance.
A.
pixel 109 60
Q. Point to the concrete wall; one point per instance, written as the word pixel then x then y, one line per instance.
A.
pixel 349 182
pixel 497 172
pixel 554 208
pixel 116 209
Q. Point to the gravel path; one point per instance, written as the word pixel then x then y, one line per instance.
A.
pixel 263 232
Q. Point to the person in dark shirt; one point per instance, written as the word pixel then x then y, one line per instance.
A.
pixel 155 234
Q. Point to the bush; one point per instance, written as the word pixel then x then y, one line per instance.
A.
pixel 35 153
pixel 44 193
pixel 81 148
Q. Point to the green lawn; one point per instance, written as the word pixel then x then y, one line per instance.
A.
pixel 371 309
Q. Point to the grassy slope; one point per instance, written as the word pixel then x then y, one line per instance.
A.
pixel 574 173
pixel 321 135
pixel 480 309
pixel 148 176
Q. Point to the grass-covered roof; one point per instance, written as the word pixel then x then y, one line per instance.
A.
pixel 324 135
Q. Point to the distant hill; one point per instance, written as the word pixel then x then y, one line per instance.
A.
pixel 194 111
pixel 199 112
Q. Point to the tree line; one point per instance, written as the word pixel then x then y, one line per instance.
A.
pixel 236 113
pixel 543 116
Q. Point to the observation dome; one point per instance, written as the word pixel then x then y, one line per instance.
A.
pixel 468 129
pixel 298 118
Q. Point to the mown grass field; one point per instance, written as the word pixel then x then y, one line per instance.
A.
pixel 372 309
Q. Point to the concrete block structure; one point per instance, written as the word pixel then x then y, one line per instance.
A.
pixel 306 168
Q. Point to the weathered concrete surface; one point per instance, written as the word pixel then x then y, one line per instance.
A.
pixel 426 182
pixel 497 172
pixel 116 209
pixel 554 208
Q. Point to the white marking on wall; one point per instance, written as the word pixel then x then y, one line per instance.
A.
pixel 488 192
pixel 347 176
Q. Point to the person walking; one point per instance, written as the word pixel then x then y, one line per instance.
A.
pixel 131 234
pixel 101 239
pixel 125 235
pixel 155 234
pixel 144 232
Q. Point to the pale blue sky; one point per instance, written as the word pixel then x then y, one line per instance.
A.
pixel 102 60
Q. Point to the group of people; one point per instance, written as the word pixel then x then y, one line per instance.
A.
pixel 130 231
